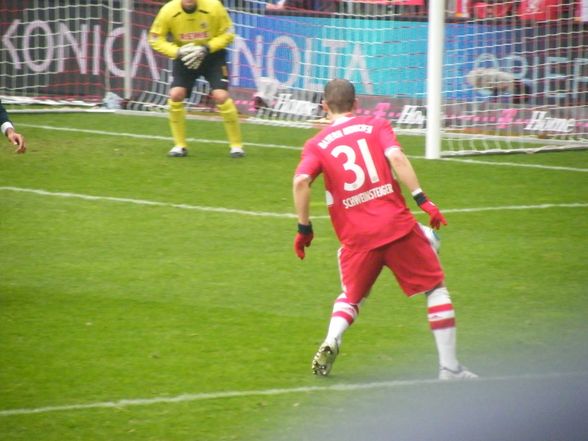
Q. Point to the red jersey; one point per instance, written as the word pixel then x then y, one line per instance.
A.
pixel 364 199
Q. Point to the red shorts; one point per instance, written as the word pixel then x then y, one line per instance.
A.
pixel 411 258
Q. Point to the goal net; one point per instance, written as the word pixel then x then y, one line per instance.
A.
pixel 513 78
pixel 61 52
pixel 516 77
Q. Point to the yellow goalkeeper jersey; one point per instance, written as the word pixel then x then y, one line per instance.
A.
pixel 209 25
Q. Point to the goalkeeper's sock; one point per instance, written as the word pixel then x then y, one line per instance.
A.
pixel 177 122
pixel 442 321
pixel 343 316
pixel 228 110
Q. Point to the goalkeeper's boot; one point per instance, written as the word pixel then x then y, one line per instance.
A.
pixel 237 152
pixel 178 152
pixel 460 374
pixel 322 363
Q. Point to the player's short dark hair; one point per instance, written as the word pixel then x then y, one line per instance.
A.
pixel 340 95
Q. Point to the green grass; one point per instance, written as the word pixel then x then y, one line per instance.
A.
pixel 104 300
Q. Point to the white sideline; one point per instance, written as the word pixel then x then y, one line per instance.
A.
pixel 265 213
pixel 163 138
pixel 514 164
pixel 146 202
pixel 286 147
pixel 343 387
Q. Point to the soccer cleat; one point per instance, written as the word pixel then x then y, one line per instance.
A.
pixel 178 152
pixel 237 152
pixel 324 358
pixel 460 374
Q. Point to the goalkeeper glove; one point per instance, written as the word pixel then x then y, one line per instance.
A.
pixel 303 239
pixel 435 216
pixel 192 56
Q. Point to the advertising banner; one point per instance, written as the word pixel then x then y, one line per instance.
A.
pixel 323 48
pixel 70 56
pixel 313 49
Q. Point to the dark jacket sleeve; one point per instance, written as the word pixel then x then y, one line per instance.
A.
pixel 3 115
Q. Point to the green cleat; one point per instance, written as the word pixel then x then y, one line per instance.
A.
pixel 323 360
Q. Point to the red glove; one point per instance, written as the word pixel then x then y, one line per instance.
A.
pixel 435 216
pixel 303 239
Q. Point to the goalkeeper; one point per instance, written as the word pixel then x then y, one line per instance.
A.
pixel 200 33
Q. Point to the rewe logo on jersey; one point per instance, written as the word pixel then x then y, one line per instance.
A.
pixel 189 36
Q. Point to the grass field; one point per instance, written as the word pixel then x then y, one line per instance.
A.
pixel 152 298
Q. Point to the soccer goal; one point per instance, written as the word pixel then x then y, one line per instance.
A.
pixel 475 77
pixel 64 53
pixel 515 77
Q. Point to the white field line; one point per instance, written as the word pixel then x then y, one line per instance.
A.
pixel 515 207
pixel 149 203
pixel 157 137
pixel 286 147
pixel 265 213
pixel 514 164
pixel 343 387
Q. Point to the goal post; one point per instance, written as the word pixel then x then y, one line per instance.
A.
pixel 435 48
pixel 474 77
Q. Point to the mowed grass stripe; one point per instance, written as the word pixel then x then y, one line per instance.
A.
pixel 265 213
pixel 287 147
pixel 343 387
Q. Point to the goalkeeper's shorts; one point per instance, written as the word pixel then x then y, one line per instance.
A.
pixel 213 68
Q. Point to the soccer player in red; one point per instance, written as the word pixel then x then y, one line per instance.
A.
pixel 363 165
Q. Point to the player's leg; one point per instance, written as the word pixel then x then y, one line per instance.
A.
pixel 179 90
pixel 358 272
pixel 441 318
pixel 417 268
pixel 217 74
pixel 442 322
pixel 228 111
pixel 177 121
pixel 342 317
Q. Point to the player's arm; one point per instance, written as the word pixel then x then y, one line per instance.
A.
pixel 10 132
pixel 224 34
pixel 158 36
pixel 406 175
pixel 190 54
pixel 402 168
pixel 304 235
pixel 16 139
pixel 400 164
pixel 301 191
